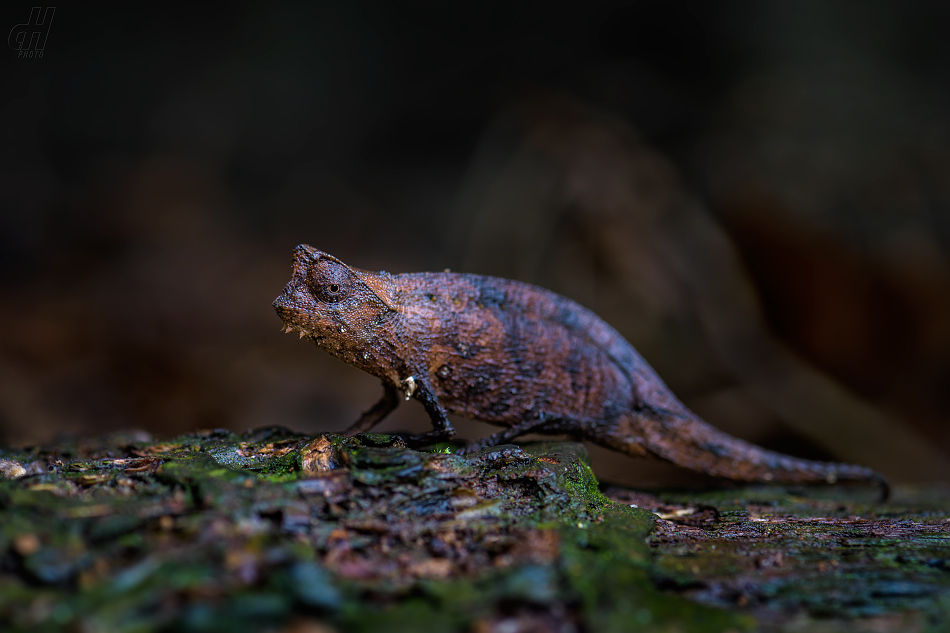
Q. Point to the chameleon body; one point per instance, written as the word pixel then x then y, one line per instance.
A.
pixel 518 356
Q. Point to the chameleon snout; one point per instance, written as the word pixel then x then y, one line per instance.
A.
pixel 282 306
pixel 288 314
pixel 287 308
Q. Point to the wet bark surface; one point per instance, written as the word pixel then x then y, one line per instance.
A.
pixel 275 531
pixel 806 559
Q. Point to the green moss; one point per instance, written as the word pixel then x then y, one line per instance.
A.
pixel 607 565
pixel 222 532
pixel 407 616
pixel 282 468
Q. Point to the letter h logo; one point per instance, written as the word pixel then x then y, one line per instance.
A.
pixel 32 35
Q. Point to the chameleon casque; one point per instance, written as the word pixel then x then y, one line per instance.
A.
pixel 518 356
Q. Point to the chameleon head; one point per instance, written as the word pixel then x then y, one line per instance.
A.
pixel 337 307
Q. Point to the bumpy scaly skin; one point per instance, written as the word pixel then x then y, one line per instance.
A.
pixel 517 356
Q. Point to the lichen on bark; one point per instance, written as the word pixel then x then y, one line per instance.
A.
pixel 216 531
pixel 275 531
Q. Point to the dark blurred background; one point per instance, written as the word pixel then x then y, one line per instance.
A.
pixel 757 195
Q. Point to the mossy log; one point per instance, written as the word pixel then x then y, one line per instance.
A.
pixel 273 531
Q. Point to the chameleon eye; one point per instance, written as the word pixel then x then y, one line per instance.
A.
pixel 331 292
pixel 330 282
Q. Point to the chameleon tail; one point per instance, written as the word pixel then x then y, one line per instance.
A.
pixel 685 440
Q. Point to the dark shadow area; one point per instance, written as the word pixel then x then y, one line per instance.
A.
pixel 756 195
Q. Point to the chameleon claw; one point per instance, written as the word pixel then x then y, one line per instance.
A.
pixel 408 387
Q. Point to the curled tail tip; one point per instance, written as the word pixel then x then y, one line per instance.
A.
pixel 882 483
pixel 872 478
pixel 836 472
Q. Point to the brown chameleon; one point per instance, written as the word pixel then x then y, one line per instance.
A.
pixel 518 356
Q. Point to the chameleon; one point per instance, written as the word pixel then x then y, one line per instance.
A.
pixel 517 356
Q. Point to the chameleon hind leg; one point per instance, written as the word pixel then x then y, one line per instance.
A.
pixel 541 424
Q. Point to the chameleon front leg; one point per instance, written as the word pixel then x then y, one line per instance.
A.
pixel 442 429
pixel 375 414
